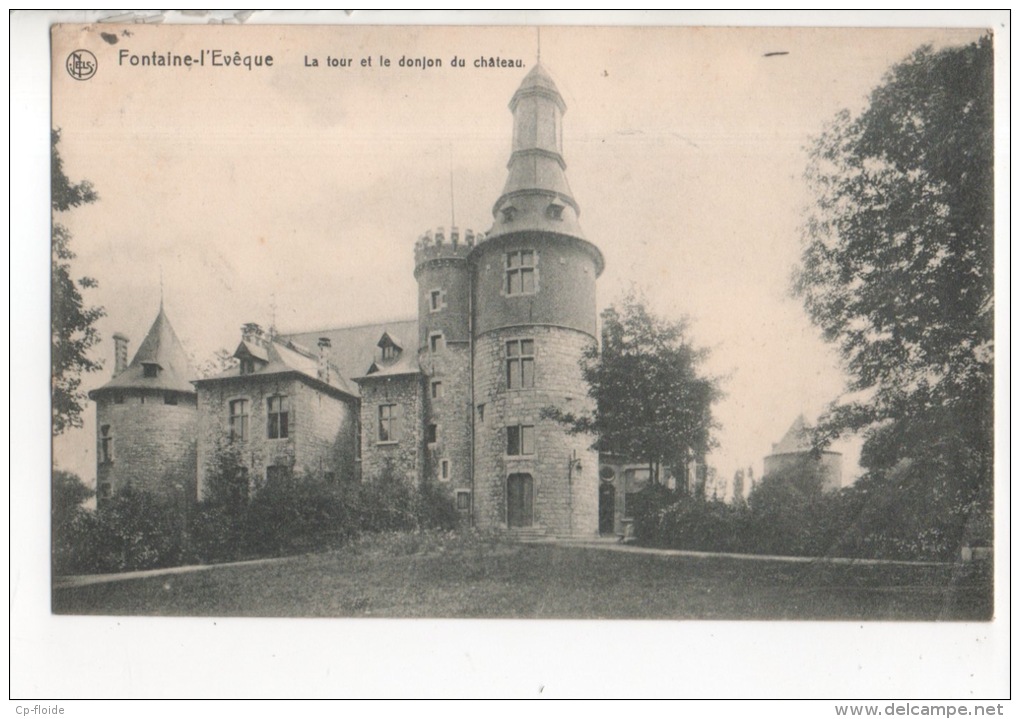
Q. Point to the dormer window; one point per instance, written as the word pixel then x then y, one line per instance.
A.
pixel 150 370
pixel 509 213
pixel 247 365
pixel 389 346
pixel 554 211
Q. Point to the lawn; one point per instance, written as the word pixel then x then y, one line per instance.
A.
pixel 458 579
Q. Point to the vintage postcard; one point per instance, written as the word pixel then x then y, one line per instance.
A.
pixel 508 322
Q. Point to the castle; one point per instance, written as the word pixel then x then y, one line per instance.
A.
pixel 794 451
pixel 455 396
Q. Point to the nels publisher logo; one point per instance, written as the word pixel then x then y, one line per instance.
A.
pixel 81 64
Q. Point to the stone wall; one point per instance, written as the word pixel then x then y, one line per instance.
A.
pixel 563 467
pixel 830 465
pixel 153 444
pixel 405 454
pixel 565 270
pixel 450 412
pixel 321 428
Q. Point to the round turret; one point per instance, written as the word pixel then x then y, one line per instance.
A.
pixel 534 315
pixel 444 285
pixel 444 354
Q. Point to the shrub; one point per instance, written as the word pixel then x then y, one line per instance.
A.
pixel 72 527
pixel 298 514
pixel 436 509
pixel 138 530
pixel 387 503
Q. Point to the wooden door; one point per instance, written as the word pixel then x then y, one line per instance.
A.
pixel 607 508
pixel 519 500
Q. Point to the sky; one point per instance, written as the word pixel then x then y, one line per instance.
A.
pixel 295 193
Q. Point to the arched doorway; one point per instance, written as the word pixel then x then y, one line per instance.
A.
pixel 607 508
pixel 520 495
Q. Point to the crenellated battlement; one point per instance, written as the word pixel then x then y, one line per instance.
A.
pixel 438 244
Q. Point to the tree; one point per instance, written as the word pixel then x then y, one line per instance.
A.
pixel 220 361
pixel 73 331
pixel 897 270
pixel 738 488
pixel 651 402
pixel 71 525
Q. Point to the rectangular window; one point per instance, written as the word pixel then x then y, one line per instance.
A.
pixel 435 341
pixel 444 470
pixel 247 365
pixel 520 272
pixel 169 398
pixel 389 352
pixel 481 413
pixel 431 434
pixel 150 370
pixel 105 444
pixel 435 300
pixel 520 364
pixel 464 501
pixel 278 412
pixel 238 419
pixel 520 440
pixel 437 390
pixel 388 423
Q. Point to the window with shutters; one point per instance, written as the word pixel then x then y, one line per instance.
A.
pixel 520 440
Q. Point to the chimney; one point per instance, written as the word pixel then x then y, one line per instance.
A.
pixel 120 353
pixel 324 346
pixel 251 332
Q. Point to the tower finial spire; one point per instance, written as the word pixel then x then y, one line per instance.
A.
pixel 161 288
pixel 538 58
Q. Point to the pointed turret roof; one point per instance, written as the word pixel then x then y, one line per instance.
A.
pixel 536 195
pixel 161 348
pixel 796 438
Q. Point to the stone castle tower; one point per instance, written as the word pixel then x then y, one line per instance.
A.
pixel 146 418
pixel 794 452
pixel 444 356
pixel 503 320
pixel 534 315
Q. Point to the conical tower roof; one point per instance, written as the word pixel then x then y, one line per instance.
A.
pixel 536 195
pixel 161 348
pixel 796 438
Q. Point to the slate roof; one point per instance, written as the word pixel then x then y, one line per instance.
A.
pixel 796 438
pixel 354 349
pixel 284 356
pixel 161 347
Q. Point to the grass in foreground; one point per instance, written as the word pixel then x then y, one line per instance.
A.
pixel 490 579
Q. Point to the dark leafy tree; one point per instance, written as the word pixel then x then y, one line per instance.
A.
pixel 73 322
pixel 71 525
pixel 652 403
pixel 898 271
